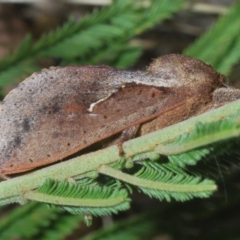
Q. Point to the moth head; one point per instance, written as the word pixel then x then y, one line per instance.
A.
pixel 183 71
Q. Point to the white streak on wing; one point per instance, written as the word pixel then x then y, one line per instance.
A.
pixel 93 115
pixel 92 105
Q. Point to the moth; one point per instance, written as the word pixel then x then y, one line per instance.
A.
pixel 61 110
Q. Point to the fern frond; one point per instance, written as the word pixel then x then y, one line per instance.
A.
pixel 166 168
pixel 190 157
pixel 14 224
pixel 76 199
pixel 189 147
pixel 164 185
pixel 183 191
pixel 224 38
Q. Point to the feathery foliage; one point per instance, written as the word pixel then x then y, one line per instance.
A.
pixel 39 221
pixel 189 147
pixel 224 38
pixel 77 199
pixel 222 129
pixel 184 191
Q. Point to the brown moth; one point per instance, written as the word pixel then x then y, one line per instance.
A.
pixel 58 111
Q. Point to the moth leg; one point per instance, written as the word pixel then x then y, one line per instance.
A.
pixel 127 134
pixel 225 95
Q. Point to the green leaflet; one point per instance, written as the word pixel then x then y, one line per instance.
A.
pixel 164 185
pixel 93 200
pixel 166 173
